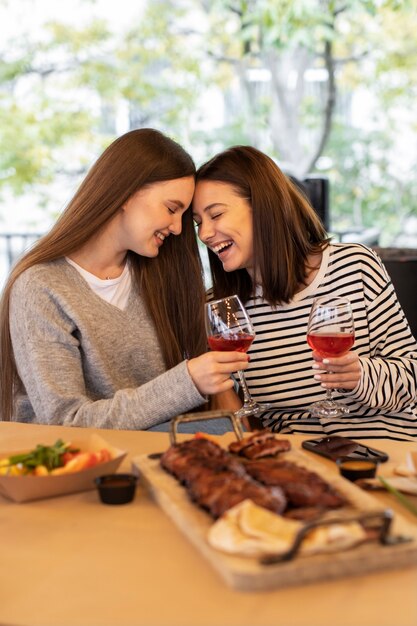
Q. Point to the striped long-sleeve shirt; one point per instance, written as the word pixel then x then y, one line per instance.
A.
pixel 384 403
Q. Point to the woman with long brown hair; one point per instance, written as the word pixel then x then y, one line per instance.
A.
pixel 102 321
pixel 267 245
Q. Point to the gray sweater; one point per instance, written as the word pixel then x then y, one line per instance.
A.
pixel 85 362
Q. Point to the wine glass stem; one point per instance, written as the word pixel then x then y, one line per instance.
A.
pixel 246 395
pixel 329 393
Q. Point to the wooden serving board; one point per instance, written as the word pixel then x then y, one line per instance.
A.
pixel 246 573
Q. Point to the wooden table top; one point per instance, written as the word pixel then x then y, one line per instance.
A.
pixel 72 561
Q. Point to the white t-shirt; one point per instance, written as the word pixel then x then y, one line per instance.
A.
pixel 114 290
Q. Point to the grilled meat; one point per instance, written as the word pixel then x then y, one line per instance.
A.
pixel 215 480
pixel 219 491
pixel 305 513
pixel 178 459
pixel 270 447
pixel 261 444
pixel 302 487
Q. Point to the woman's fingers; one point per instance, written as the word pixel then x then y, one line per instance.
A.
pixel 228 357
pixel 344 372
pixel 349 358
pixel 211 371
pixel 332 381
pixel 348 363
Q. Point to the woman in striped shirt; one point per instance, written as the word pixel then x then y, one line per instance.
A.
pixel 267 244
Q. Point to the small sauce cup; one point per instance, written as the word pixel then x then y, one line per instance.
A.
pixel 116 488
pixel 354 469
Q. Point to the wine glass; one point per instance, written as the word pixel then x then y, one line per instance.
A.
pixel 229 329
pixel 331 333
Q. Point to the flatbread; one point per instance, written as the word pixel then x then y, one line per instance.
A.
pixel 250 530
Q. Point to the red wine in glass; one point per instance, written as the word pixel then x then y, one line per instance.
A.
pixel 331 333
pixel 332 344
pixel 238 342
pixel 229 329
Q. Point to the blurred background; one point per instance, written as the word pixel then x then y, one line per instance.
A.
pixel 326 87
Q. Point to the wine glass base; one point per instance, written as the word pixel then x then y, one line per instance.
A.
pixel 328 408
pixel 253 408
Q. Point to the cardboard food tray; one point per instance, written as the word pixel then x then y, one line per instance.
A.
pixel 247 573
pixel 27 488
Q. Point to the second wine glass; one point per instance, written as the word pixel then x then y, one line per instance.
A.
pixel 230 329
pixel 330 333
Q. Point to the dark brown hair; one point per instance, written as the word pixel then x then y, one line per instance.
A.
pixel 286 229
pixel 133 161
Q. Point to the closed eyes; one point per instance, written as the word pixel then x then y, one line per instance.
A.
pixel 211 217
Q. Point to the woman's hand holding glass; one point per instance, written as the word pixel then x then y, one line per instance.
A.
pixel 338 372
pixel 211 371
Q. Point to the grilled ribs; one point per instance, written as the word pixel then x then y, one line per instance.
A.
pixel 215 480
pixel 218 480
pixel 302 487
pixel 261 444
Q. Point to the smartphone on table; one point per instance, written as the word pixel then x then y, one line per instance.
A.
pixel 335 447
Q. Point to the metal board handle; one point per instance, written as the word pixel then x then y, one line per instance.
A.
pixel 204 415
pixel 378 521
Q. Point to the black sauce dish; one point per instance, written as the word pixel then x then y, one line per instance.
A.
pixel 356 469
pixel 116 488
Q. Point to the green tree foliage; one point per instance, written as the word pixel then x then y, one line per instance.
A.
pixel 287 71
pixel 63 87
pixel 39 110
pixel 310 58
pixel 373 164
pixel 365 192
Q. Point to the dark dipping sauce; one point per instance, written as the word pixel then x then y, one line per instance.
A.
pixel 116 482
pixel 353 470
pixel 116 488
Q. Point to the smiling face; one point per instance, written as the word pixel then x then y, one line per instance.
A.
pixel 225 224
pixel 152 214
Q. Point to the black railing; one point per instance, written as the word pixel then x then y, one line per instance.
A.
pixel 13 245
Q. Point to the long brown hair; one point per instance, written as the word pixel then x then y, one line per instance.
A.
pixel 137 159
pixel 286 229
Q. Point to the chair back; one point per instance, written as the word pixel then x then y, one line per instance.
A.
pixel 401 265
